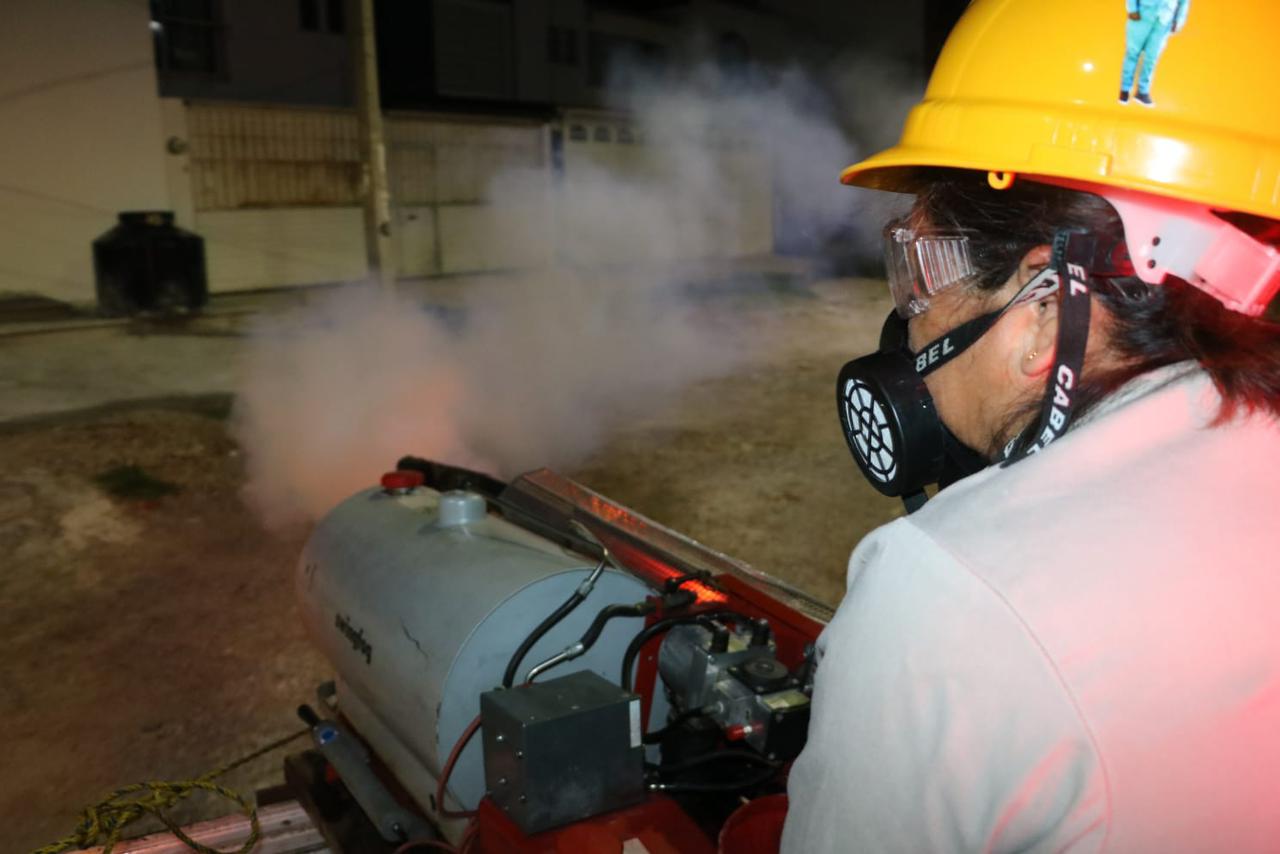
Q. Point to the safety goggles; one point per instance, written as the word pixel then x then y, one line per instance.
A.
pixel 922 264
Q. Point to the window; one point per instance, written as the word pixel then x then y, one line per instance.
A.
pixel 562 46
pixel 187 36
pixel 311 20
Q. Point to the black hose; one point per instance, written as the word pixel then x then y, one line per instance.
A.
pixel 606 614
pixel 652 631
pixel 728 786
pixel 717 758
pixel 769 771
pixel 509 675
pixel 592 634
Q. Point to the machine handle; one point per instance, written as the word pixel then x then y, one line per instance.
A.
pixel 351 761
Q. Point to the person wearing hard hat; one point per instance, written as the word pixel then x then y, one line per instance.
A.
pixel 1150 24
pixel 1074 644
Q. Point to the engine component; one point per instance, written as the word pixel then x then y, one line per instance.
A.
pixel 562 750
pixel 418 599
pixel 694 658
pixel 733 678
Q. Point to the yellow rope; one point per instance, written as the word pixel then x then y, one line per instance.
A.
pixel 104 821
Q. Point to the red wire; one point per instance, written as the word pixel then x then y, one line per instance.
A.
pixel 469 838
pixel 448 770
pixel 469 835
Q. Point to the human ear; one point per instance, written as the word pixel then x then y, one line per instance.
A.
pixel 1040 337
pixel 1040 319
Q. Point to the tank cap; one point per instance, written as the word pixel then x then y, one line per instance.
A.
pixel 402 480
pixel 461 508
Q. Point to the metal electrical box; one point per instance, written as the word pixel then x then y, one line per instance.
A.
pixel 562 750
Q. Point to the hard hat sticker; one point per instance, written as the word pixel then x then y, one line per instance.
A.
pixel 1147 30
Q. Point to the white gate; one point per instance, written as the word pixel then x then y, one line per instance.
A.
pixel 276 192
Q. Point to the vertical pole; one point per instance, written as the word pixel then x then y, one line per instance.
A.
pixel 374 186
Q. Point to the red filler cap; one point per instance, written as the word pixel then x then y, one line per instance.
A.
pixel 737 732
pixel 402 479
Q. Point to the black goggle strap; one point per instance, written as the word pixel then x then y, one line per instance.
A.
pixel 941 350
pixel 1074 254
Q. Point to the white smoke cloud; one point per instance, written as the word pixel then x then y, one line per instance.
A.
pixel 536 369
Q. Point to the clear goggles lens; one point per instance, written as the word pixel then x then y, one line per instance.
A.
pixel 920 265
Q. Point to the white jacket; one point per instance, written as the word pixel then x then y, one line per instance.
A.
pixel 1081 651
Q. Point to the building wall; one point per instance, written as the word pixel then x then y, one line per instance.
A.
pixel 632 196
pixel 278 247
pixel 522 56
pixel 472 41
pixel 81 140
pixel 530 52
pixel 275 192
pixel 530 22
pixel 568 76
pixel 266 55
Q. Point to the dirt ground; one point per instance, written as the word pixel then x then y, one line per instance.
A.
pixel 155 638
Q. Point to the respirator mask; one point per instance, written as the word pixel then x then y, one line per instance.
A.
pixel 887 414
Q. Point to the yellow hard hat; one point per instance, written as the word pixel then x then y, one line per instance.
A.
pixel 1033 87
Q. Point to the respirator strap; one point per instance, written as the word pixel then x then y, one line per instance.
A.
pixel 941 350
pixel 888 416
pixel 1074 254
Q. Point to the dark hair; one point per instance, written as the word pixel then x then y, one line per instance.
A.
pixel 1153 325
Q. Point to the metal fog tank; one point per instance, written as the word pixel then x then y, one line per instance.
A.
pixel 418 599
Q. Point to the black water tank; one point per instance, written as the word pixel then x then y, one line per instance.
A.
pixel 148 264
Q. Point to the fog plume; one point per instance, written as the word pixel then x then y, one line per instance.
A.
pixel 523 370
